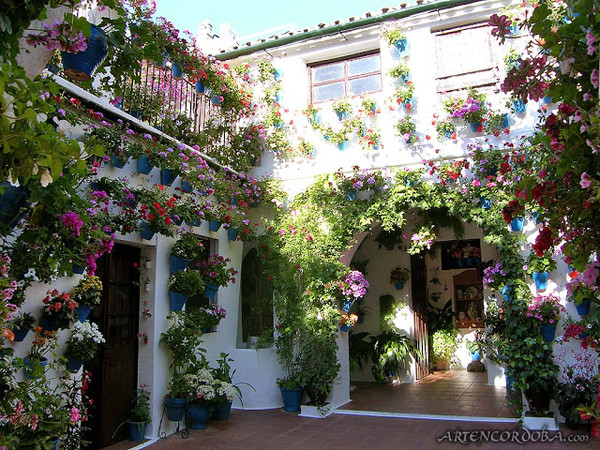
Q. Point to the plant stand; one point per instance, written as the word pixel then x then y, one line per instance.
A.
pixel 318 412
pixel 185 432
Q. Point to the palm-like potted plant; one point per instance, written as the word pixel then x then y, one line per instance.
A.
pixel 399 276
pixel 139 414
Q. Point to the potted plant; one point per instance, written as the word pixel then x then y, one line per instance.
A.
pixel 399 276
pixel 200 394
pixel 87 294
pixel 188 247
pixel 139 414
pixel 475 346
pixel 472 110
pixel 342 108
pixel 347 321
pixel 225 389
pixel 404 95
pixel 360 350
pixel 20 325
pixel 394 36
pixel 539 267
pixel 353 285
pixel 390 352
pixel 59 310
pixel 184 284
pixel 206 318
pixel 496 122
pixel 444 346
pixel 176 400
pixel 580 293
pixel 389 238
pixel 445 128
pixel 35 362
pixel 155 210
pixel 406 129
pixel 82 344
pixel 400 71
pixel 215 273
pixel 546 309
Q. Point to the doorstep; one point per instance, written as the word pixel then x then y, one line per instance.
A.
pixel 317 412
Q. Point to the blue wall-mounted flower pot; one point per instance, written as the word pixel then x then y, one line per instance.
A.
pixel 143 165
pixel 540 279
pixel 548 332
pixel 517 224
pixel 210 290
pixel 177 301
pixel 80 66
pixel 200 87
pixel 214 225
pixel 178 264
pixel 583 309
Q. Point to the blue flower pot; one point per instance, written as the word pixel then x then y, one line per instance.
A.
pixel 146 232
pixel 80 66
pixel 346 304
pixel 548 332
pixel 197 416
pixel 486 203
pixel 215 100
pixel 405 78
pixel 344 328
pixel 341 115
pixel 47 324
pixel 117 162
pixel 178 264
pixel 342 146
pixel 540 279
pixel 505 121
pixel 176 71
pixel 137 431
pixel 210 290
pixel 20 334
pixel 509 380
pixel 351 194
pixel 73 365
pixel 400 285
pixel 12 200
pixel 547 99
pixel 214 225
pixel 186 186
pixel 401 46
pixel 506 292
pixel 175 408
pixel 200 87
pixel 474 126
pixel 517 224
pixel 83 311
pixel 519 106
pixel 583 309
pixel 167 177
pixel 196 222
pixel 177 301
pixel 77 269
pixel 291 399
pixel 29 368
pixel 316 118
pixel 475 356
pixel 143 165
pixel 221 411
pixel 232 234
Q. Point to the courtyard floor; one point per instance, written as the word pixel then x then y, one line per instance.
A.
pixel 405 416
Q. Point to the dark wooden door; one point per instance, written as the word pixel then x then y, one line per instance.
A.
pixel 114 369
pixel 419 299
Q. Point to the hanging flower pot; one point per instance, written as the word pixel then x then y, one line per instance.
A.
pixel 186 186
pixel 346 304
pixel 351 194
pixel 583 309
pixel 167 176
pixel 143 165
pixel 232 234
pixel 178 263
pixel 341 115
pixel 548 332
pixel 177 301
pixel 175 408
pixel 519 106
pixel 117 161
pixel 342 146
pixel 540 279
pixel 475 356
pixel 547 100
pixel 176 71
pixel 146 232
pixel 81 66
pixel 401 46
pixel 210 290
pixel 291 398
pixel 197 416
pixel 517 224
pixel 83 311
pixel 77 269
pixel 31 366
pixel 344 328
pixel 20 334
pixel 48 325
pixel 509 380
pixel 476 127
pixel 486 203
pixel 73 365
pixel 137 431
pixel 200 87
pixel 506 292
pixel 399 285
pixel 12 200
pixel 214 225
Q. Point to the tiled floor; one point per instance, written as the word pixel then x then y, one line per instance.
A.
pixel 451 392
pixel 455 393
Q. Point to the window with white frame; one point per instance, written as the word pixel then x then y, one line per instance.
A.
pixel 345 77
pixel 465 56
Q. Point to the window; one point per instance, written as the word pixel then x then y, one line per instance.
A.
pixel 345 78
pixel 257 298
pixel 456 71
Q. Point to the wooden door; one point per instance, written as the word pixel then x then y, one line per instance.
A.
pixel 419 301
pixel 114 369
